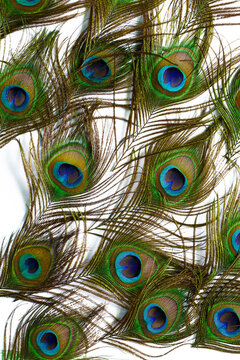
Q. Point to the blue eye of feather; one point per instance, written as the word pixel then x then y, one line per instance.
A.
pixel 96 69
pixel 236 240
pixel 48 343
pixel 173 181
pixel 171 78
pixel 128 266
pixel 15 98
pixel 155 318
pixel 227 322
pixel 28 2
pixel 69 175
pixel 29 266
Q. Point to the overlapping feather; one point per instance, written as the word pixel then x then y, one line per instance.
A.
pixel 136 126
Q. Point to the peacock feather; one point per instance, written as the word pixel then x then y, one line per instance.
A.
pixel 38 260
pixel 123 264
pixel 54 333
pixel 27 92
pixel 219 327
pixel 127 133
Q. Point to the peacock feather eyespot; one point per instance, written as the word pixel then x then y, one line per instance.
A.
pixel 155 318
pixel 174 178
pixel 158 316
pixel 50 341
pixel 96 70
pixel 68 170
pixel 173 75
pixel 130 267
pixel 224 321
pixel 29 266
pixel 101 67
pixel 234 240
pixel 18 92
pixel 32 264
pixel 171 78
pixel 27 6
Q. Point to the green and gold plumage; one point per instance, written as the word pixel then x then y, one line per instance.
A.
pixel 219 326
pixel 28 97
pixel 126 125
pixel 54 333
